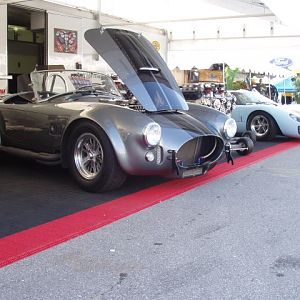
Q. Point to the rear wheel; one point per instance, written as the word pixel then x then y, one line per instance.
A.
pixel 92 160
pixel 263 125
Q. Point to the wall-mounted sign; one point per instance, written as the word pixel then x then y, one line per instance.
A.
pixel 65 41
pixel 283 62
pixel 156 45
pixel 211 75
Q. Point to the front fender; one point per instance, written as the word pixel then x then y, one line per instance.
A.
pixel 123 127
pixel 212 118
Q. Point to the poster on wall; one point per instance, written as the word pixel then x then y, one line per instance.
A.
pixel 211 75
pixel 65 41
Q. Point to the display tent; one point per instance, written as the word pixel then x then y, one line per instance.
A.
pixel 286 85
pixel 241 33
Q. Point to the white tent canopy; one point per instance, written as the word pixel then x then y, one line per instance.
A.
pixel 242 33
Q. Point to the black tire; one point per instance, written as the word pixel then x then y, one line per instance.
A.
pixel 250 134
pixel 94 170
pixel 263 126
pixel 245 142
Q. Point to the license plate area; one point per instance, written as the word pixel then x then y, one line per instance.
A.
pixel 185 173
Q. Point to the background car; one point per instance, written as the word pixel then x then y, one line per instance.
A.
pixel 264 117
pixel 80 120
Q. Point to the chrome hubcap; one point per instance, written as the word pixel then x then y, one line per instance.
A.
pixel 260 125
pixel 88 156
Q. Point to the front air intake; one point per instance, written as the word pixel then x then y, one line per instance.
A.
pixel 200 150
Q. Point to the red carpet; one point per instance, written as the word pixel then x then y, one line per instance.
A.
pixel 39 238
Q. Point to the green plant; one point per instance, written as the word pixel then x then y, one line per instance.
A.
pixel 230 77
pixel 237 85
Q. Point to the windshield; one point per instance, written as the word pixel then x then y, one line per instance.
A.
pixel 250 97
pixel 53 82
pixel 140 67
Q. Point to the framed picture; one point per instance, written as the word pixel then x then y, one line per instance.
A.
pixel 65 41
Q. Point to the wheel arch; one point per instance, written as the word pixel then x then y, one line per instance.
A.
pixel 71 126
pixel 255 112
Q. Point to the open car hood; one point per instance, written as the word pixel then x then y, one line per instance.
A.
pixel 139 66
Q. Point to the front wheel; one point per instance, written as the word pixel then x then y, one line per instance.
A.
pixel 245 142
pixel 92 160
pixel 250 134
pixel 263 125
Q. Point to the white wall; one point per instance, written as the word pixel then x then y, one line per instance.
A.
pixel 70 18
pixel 150 33
pixel 3 47
pixel 245 53
pixel 85 53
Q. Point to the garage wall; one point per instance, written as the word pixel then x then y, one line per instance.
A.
pixel 3 47
pixel 86 55
pixel 72 18
pixel 22 57
pixel 154 35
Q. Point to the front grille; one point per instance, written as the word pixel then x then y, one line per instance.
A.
pixel 200 150
pixel 159 155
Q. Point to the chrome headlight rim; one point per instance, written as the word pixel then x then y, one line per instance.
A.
pixel 152 134
pixel 230 128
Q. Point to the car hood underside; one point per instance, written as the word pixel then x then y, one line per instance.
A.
pixel 140 67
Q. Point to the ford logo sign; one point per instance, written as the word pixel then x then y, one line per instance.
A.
pixel 283 62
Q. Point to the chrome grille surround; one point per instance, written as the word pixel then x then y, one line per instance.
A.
pixel 200 150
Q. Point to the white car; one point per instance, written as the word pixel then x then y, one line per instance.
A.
pixel 264 117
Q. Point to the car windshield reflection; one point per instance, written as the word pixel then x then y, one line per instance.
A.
pixel 53 82
pixel 250 97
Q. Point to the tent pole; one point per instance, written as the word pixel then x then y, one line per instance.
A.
pixel 269 87
pixel 284 89
pixel 224 80
pixel 250 81
pixel 99 10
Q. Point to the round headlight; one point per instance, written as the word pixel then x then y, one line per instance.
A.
pixel 230 128
pixel 152 134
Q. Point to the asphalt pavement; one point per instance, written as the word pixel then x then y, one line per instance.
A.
pixel 235 238
pixel 32 194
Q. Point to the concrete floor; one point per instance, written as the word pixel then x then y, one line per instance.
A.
pixel 234 238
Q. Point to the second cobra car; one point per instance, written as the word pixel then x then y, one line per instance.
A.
pixel 80 120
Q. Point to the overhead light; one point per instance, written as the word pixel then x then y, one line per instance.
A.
pixel 16 28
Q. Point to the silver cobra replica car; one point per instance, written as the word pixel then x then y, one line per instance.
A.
pixel 80 120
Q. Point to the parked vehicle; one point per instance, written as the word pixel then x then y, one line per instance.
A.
pixel 264 117
pixel 80 120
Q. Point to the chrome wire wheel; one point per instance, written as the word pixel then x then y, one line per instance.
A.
pixel 88 156
pixel 260 125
